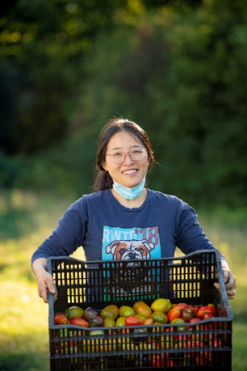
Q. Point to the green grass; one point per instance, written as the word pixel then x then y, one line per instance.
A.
pixel 26 218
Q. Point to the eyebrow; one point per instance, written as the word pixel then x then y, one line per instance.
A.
pixel 134 146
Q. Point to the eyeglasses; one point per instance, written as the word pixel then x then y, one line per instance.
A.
pixel 119 157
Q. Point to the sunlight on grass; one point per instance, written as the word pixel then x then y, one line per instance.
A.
pixel 25 220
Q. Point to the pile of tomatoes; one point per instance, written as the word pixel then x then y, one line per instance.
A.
pixel 161 311
pixel 189 313
pixel 154 341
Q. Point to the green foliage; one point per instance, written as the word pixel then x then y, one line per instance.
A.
pixel 180 77
pixel 42 49
pixel 178 71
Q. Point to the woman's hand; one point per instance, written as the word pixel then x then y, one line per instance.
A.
pixel 229 280
pixel 44 279
pixel 230 283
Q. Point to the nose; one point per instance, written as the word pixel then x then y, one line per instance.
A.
pixel 128 158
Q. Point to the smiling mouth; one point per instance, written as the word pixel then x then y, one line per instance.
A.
pixel 130 171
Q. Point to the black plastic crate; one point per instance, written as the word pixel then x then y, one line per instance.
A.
pixel 206 345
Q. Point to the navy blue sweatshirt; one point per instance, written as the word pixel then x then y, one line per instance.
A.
pixel 107 230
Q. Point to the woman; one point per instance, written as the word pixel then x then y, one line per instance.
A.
pixel 122 219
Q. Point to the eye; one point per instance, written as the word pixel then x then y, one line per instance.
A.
pixel 122 251
pixel 140 249
pixel 137 151
pixel 117 154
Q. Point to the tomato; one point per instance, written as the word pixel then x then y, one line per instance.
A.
pixel 161 305
pixel 109 322
pixel 179 320
pixel 148 321
pixel 110 311
pixel 159 317
pixel 133 321
pixel 195 307
pixel 192 321
pixel 61 319
pixel 182 306
pixel 211 305
pixel 195 319
pixel 142 308
pixel 120 322
pixel 187 314
pixel 79 322
pixel 126 311
pixel 174 313
pixel 73 312
pixel 143 318
pixel 206 311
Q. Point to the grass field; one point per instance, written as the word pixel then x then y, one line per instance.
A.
pixel 26 218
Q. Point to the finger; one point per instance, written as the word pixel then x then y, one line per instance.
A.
pixel 231 294
pixel 55 294
pixel 43 292
pixel 226 275
pixel 217 286
pixel 231 284
pixel 51 286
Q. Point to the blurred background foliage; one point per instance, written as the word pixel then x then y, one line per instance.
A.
pixel 177 68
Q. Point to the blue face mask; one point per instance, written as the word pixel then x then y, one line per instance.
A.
pixel 129 193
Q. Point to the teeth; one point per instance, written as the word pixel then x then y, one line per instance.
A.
pixel 130 171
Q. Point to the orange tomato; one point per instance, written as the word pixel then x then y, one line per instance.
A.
pixel 142 308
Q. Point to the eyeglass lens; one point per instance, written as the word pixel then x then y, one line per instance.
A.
pixel 135 155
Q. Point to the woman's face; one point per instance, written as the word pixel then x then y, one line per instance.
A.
pixel 129 173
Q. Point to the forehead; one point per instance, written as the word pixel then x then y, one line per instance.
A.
pixel 123 139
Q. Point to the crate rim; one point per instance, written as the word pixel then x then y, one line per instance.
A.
pixel 177 258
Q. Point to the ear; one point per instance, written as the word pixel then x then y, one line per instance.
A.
pixel 103 164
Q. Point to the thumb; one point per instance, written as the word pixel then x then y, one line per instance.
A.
pixel 217 285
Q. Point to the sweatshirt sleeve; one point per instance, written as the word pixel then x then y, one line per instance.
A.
pixel 189 232
pixel 68 235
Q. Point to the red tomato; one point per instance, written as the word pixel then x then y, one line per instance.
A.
pixel 61 319
pixel 206 312
pixel 133 321
pixel 79 322
pixel 182 306
pixel 173 314
pixel 195 319
pixel 211 305
pixel 196 308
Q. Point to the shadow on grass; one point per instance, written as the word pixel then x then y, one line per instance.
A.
pixel 24 362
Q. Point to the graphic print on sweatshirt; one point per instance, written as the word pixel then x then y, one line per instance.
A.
pixel 130 243
pixel 121 244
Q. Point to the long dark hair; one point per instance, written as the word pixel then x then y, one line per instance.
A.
pixel 103 179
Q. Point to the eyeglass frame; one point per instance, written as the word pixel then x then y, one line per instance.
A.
pixel 125 153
